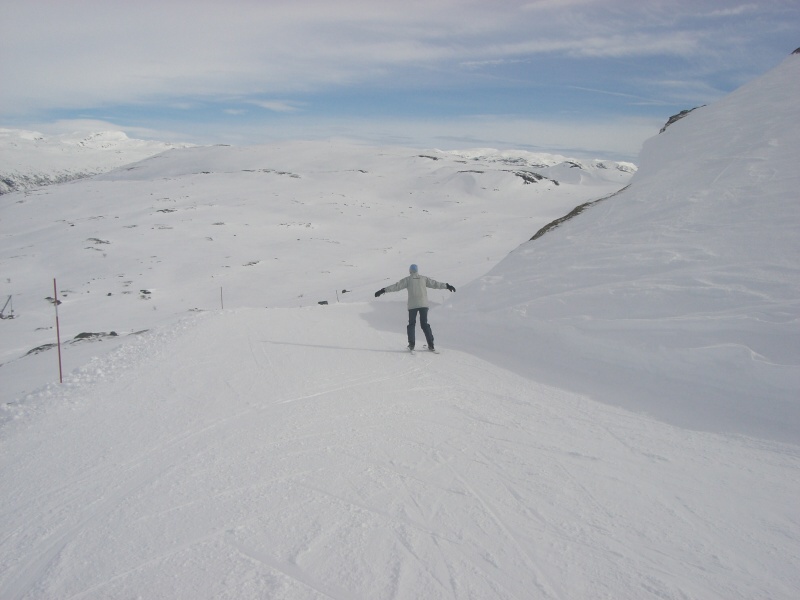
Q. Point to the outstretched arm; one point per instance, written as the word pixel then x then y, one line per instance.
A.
pixel 436 285
pixel 395 287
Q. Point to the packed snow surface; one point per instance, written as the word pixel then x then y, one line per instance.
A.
pixel 302 453
pixel 613 414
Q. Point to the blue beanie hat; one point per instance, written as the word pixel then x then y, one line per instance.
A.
pixel 413 269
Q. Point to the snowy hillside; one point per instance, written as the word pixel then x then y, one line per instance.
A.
pixel 29 159
pixel 287 225
pixel 277 448
pixel 679 296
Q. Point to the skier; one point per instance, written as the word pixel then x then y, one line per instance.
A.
pixel 417 285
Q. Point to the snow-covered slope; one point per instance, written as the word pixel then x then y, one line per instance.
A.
pixel 297 451
pixel 29 159
pixel 300 453
pixel 679 296
pixel 284 225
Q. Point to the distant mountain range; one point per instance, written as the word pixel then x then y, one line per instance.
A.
pixel 29 159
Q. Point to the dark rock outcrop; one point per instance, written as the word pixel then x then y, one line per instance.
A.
pixel 677 117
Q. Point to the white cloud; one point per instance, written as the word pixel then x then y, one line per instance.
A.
pixel 93 55
pixel 616 45
pixel 553 5
pixel 88 53
pixel 281 106
pixel 734 10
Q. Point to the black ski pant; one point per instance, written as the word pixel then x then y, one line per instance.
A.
pixel 423 322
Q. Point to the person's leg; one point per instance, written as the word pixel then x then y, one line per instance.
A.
pixel 412 325
pixel 426 329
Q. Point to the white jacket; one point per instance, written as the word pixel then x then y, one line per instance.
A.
pixel 416 285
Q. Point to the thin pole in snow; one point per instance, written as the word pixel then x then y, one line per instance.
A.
pixel 221 303
pixel 58 332
pixel 5 306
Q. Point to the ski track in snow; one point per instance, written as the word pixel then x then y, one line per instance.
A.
pixel 375 474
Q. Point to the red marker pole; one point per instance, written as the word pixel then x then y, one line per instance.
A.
pixel 58 332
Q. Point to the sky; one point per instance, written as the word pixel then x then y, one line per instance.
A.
pixel 580 76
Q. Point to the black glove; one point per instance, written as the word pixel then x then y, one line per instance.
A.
pixel 379 292
pixel 450 287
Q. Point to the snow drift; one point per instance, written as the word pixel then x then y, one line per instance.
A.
pixel 680 295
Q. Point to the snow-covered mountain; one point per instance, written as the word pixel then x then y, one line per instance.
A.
pixel 29 159
pixel 276 448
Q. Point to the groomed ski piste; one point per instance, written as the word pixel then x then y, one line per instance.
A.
pixel 614 413
pixel 300 453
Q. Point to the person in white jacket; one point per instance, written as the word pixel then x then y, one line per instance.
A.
pixel 417 286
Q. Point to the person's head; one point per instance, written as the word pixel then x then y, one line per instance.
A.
pixel 413 269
